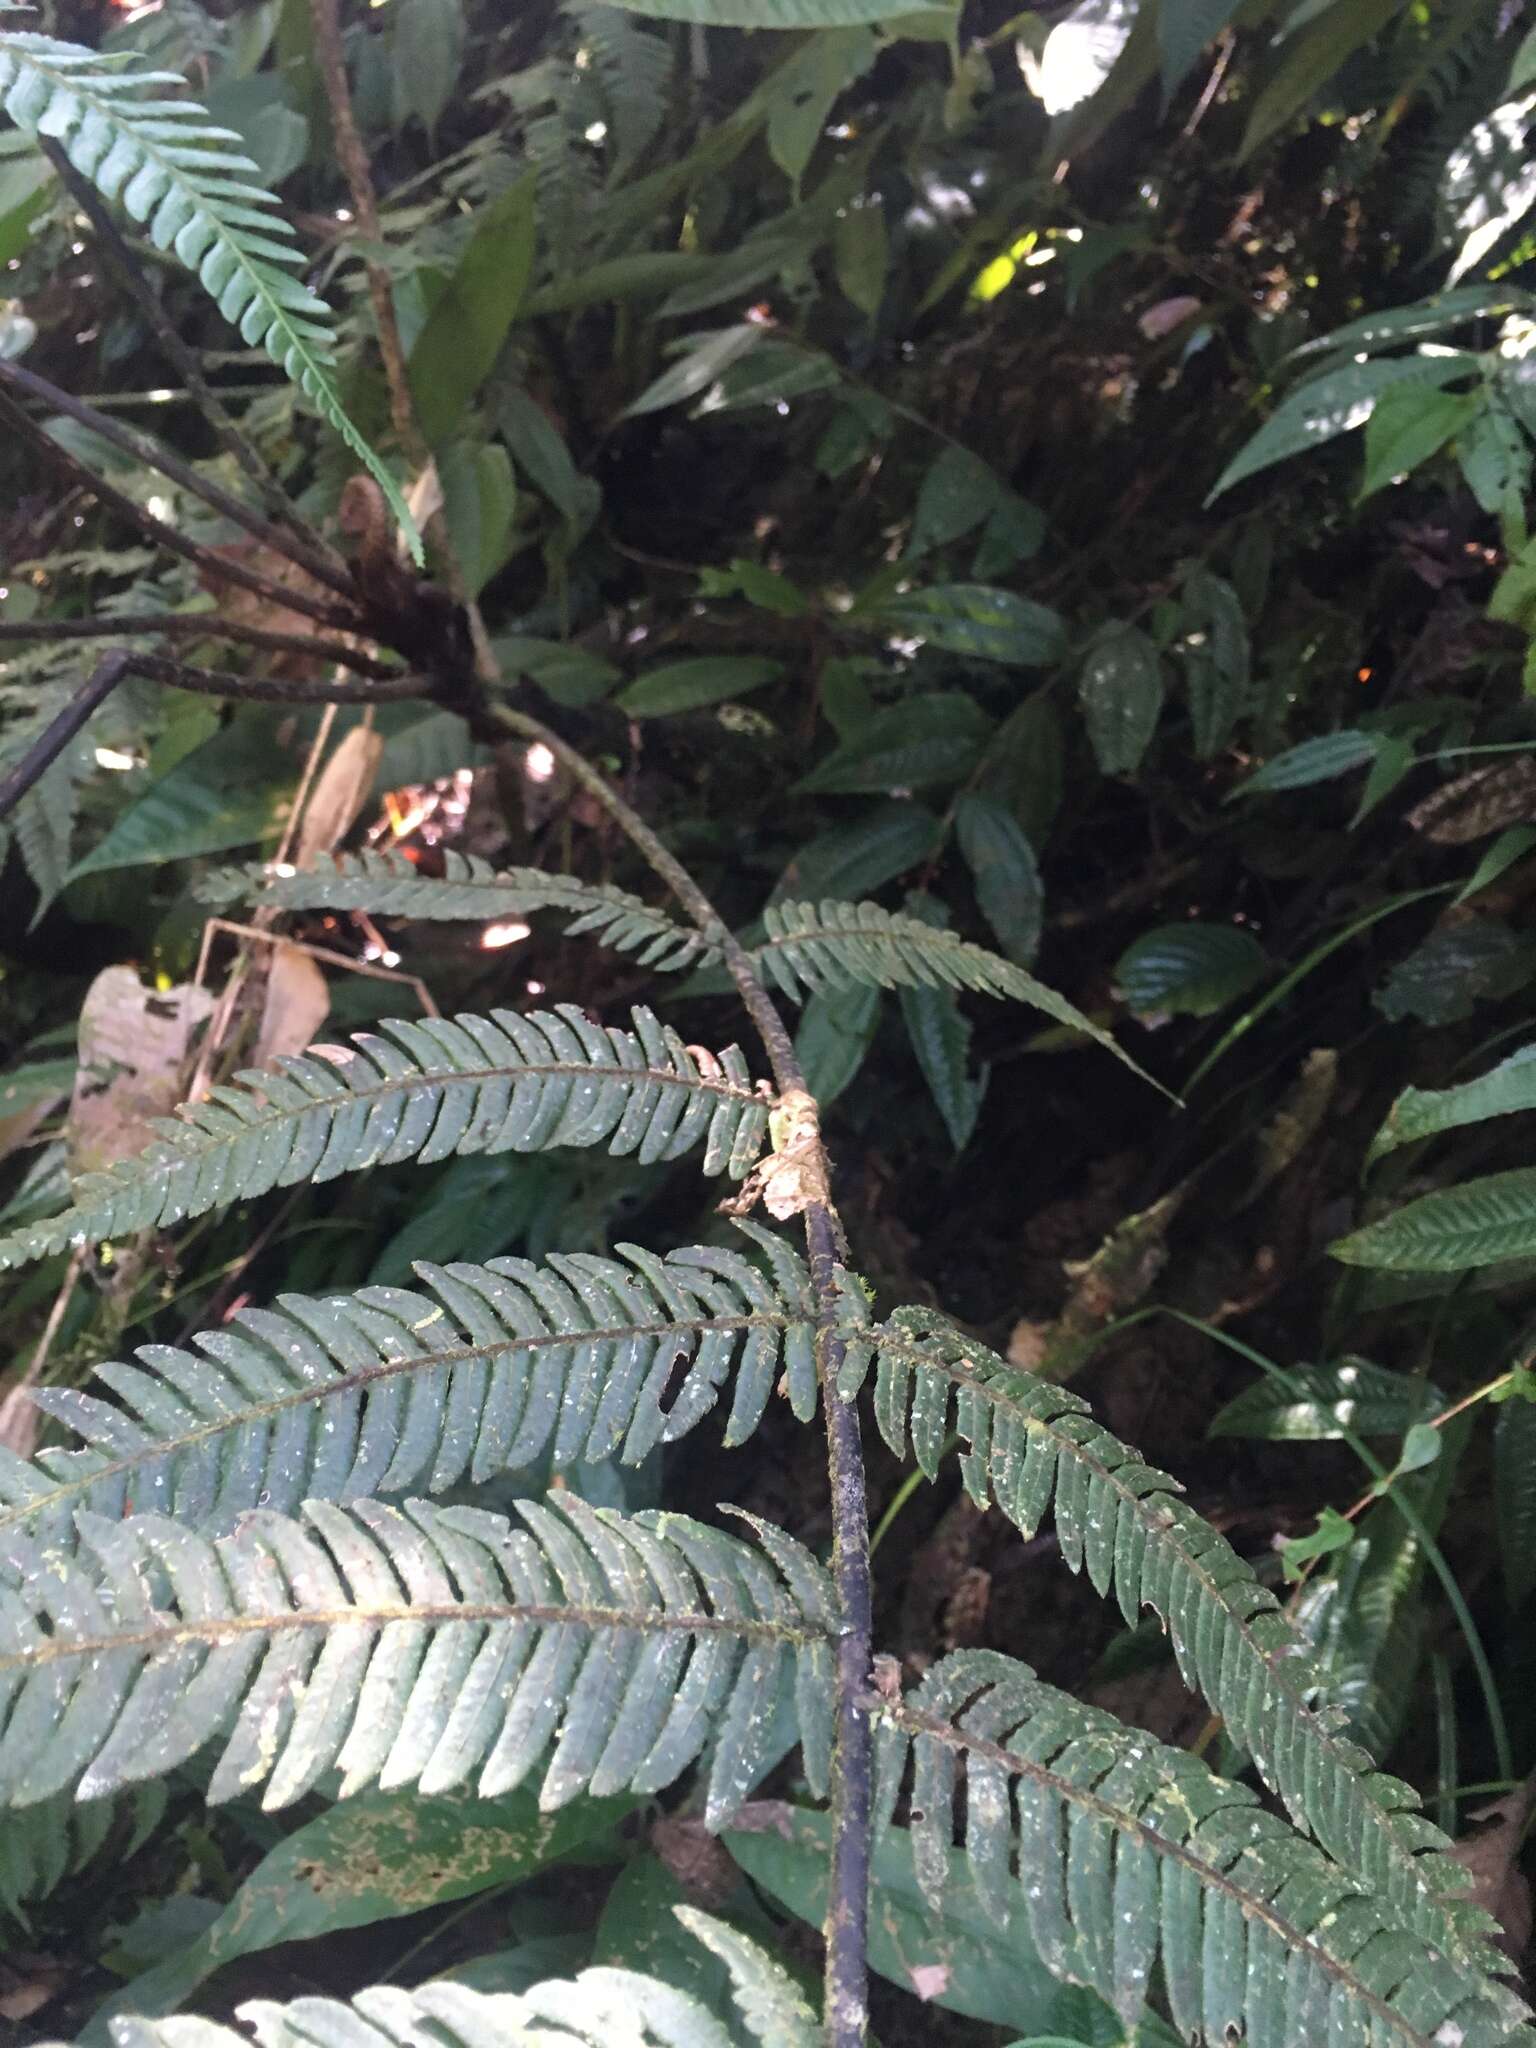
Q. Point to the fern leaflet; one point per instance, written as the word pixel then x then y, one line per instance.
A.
pixel 385 1391
pixel 426 1091
pixel 42 1845
pixel 603 2007
pixel 1031 1446
pixel 175 172
pixel 417 1646
pixel 387 885
pixel 1119 1853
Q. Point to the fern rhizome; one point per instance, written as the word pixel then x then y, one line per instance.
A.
pixel 240 1559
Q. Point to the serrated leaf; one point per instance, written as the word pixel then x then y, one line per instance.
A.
pixel 941 1039
pixel 1333 404
pixel 1426 1112
pixel 1006 874
pixel 1120 687
pixel 688 685
pixel 1454 1230
pixel 1190 969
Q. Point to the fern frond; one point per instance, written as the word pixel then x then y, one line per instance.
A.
pixel 634 68
pixel 430 1090
pixel 810 947
pixel 1118 1853
pixel 417 1646
pixel 388 885
pixel 1031 1446
pixel 814 947
pixel 387 1391
pixel 42 1845
pixel 602 2007
pixel 190 184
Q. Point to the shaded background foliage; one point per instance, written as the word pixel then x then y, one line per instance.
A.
pixel 838 468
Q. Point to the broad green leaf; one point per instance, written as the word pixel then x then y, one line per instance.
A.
pixel 958 492
pixel 426 49
pixel 1120 687
pixel 974 618
pixel 1489 183
pixel 856 859
pixel 24 189
pixel 1481 1223
pixel 1494 454
pixel 1425 1112
pixel 44 1081
pixel 1308 59
pixel 803 92
pixel 1437 315
pixel 861 253
pixel 1514 1488
pixel 929 739
pixel 377 1856
pixel 1190 969
pixel 1321 760
pixel 231 791
pixel 1321 1403
pixel 1025 766
pixel 638 1929
pixel 1512 845
pixel 569 674
pixel 539 450
pixel 1184 28
pixel 1457 966
pixel 1216 660
pixel 457 349
pixel 967 1969
pixel 479 506
pixel 837 1028
pixel 699 365
pixel 775 373
pixel 1007 876
pixel 1408 425
pixel 791 14
pixel 702 679
pixel 1333 404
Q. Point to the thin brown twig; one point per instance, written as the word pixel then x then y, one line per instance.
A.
pixel 196 626
pixel 325 568
pixel 211 563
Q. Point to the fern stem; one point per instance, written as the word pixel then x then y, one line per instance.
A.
pixel 847 1973
pixel 142 449
pixel 185 358
pixel 213 682
pixel 56 736
pixel 197 626
pixel 218 568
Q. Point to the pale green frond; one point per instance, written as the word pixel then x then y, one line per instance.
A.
pixel 1120 1855
pixel 600 2008
pixel 812 947
pixel 409 1646
pixel 426 1091
pixel 486 1369
pixel 388 885
pixel 1031 1447
pixel 191 186
pixel 768 1998
pixel 42 1845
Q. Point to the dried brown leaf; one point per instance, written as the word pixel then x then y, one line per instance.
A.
pixel 1487 800
pixel 133 1045
pixel 294 1006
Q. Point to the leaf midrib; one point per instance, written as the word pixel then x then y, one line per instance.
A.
pixel 217 1630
